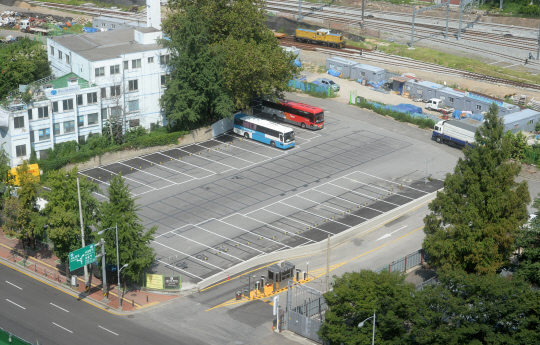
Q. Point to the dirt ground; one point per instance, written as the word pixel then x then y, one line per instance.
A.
pixel 312 60
pixel 23 7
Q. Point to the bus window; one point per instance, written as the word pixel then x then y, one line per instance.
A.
pixel 319 117
pixel 289 137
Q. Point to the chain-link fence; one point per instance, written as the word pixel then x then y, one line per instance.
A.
pixel 316 90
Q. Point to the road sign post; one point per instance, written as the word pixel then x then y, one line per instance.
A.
pixel 82 257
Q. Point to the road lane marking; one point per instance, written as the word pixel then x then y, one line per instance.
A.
pixel 14 285
pixel 62 327
pixel 15 304
pixel 390 234
pixel 67 311
pixel 107 330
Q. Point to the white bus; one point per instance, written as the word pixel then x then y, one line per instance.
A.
pixel 264 131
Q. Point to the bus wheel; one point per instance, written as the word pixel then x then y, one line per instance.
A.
pixel 311 126
pixel 439 140
pixel 303 125
pixel 274 118
pixel 273 144
pixel 246 135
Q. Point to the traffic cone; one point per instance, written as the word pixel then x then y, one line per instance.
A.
pixel 228 277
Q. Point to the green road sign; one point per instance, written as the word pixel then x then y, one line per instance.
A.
pixel 81 257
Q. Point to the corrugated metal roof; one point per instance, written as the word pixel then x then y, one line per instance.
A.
pixel 426 83
pixel 400 79
pixel 342 60
pixel 369 68
pixel 453 92
pixel 520 115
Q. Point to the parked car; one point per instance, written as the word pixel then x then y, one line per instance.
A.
pixel 328 82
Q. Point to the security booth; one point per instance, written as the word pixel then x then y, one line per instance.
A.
pixel 282 271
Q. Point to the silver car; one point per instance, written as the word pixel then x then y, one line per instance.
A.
pixel 328 82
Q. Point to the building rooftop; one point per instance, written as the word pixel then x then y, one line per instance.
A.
pixel 62 82
pixel 369 67
pixel 104 45
pixel 146 30
pixel 453 92
pixel 140 23
pixel 342 60
pixel 426 83
pixel 520 115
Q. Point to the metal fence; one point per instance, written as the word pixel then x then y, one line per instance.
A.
pixel 305 311
pixel 406 263
pixel 7 338
pixel 49 273
pixel 311 88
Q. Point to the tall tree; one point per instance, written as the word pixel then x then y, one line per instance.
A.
pixel 133 239
pixel 475 219
pixel 62 210
pixel 195 89
pixel 255 64
pixel 354 298
pixel 6 183
pixel 528 241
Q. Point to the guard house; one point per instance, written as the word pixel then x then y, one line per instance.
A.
pixel 524 120
pixel 369 73
pixel 341 65
pixel 282 271
pixel 422 89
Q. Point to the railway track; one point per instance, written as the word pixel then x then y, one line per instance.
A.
pixel 90 10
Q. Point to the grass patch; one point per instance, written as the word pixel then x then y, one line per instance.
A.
pixel 322 95
pixel 97 3
pixel 25 263
pixel 321 69
pixel 401 117
pixel 458 62
pixel 363 45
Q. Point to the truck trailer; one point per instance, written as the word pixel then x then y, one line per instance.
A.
pixel 455 133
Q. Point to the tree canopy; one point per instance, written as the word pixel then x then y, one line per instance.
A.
pixel 528 266
pixel 474 221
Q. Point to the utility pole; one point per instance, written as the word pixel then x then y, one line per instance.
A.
pixel 104 273
pixel 363 3
pixel 86 282
pixel 538 49
pixel 299 11
pixel 412 33
pixel 500 6
pixel 328 265
pixel 447 16
pixel 118 270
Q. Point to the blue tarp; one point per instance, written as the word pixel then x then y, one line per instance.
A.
pixel 456 114
pixel 411 108
pixel 315 87
pixel 297 63
pixel 399 109
pixel 90 29
pixel 334 73
pixel 477 117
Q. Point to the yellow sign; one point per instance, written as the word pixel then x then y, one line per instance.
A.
pixel 154 281
pixel 32 169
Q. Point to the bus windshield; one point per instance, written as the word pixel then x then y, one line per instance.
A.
pixel 288 137
pixel 319 117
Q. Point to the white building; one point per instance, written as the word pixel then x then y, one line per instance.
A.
pixel 120 72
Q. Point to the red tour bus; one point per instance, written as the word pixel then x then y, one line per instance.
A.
pixel 300 114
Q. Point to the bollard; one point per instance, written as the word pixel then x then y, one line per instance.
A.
pixel 146 298
pixel 45 273
pixel 35 268
pixel 132 303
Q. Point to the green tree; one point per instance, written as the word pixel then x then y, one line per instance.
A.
pixel 519 144
pixel 354 298
pixel 62 210
pixel 195 90
pixel 133 238
pixel 6 183
pixel 475 219
pixel 476 309
pixel 529 242
pixel 255 64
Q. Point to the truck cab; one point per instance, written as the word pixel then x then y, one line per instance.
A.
pixel 438 131
pixel 434 104
pixel 24 24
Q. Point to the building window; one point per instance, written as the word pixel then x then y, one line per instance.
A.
pixel 32 139
pixel 81 120
pixel 115 69
pixel 163 80
pixel 92 119
pixel 104 113
pixel 134 123
pixel 163 59
pixel 43 154
pixel 52 50
pixel 363 74
pixel 67 59
pixel 81 139
pixel 67 104
pixel 126 65
pixel 151 59
pixel 531 121
pixel 19 122
pixel 103 92
pixel 115 90
pixel 133 85
pixel 516 126
pixel 113 26
pixel 43 112
pixel 56 130
pixel 451 99
pixel 133 105
pixel 55 107
pixel 44 134
pixel 91 97
pixel 478 107
pixel 29 114
pixel 69 126
pixel 60 55
pixel 116 112
pixel 103 24
pixel 20 150
pixel 79 100
pixel 136 63
pixel 100 71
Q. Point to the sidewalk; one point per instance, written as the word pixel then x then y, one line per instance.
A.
pixel 44 263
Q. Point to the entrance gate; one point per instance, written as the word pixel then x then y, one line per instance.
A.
pixel 305 310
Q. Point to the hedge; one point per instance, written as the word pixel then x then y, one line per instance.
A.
pixel 401 117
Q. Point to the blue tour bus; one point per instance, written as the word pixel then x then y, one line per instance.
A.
pixel 264 131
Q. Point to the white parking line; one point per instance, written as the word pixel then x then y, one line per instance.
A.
pixel 59 307
pixel 20 288
pixel 158 177
pixel 272 226
pixel 92 179
pixel 193 165
pixel 369 185
pixel 364 195
pixel 400 184
pixel 228 239
pixel 208 159
pixel 316 215
pixel 15 304
pixel 241 148
pixel 204 245
pixel 166 167
pixel 323 205
pixel 269 239
pixel 204 262
pixel 108 330
pixel 176 268
pixel 62 327
pixel 226 154
pixel 349 201
pixel 172 230
pixel 127 178
pixel 277 214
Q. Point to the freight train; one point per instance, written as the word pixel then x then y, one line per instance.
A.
pixel 321 36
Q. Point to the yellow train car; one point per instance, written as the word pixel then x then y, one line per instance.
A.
pixel 321 36
pixel 32 169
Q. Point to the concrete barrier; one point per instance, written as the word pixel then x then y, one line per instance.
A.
pixel 318 247
pixel 221 127
pixel 195 136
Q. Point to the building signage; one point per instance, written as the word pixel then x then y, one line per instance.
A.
pixel 154 281
pixel 63 91
pixel 172 282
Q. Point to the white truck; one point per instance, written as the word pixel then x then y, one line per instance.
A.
pixel 26 26
pixel 438 105
pixel 455 133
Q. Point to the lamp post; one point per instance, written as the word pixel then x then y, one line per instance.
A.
pixel 361 324
pixel 118 269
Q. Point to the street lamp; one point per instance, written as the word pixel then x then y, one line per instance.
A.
pixel 361 324
pixel 118 269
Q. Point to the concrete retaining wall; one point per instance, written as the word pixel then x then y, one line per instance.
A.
pixel 196 136
pixel 221 127
pixel 320 246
